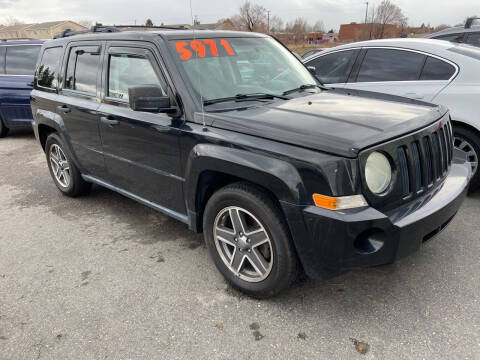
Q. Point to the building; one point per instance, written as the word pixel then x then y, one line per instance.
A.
pixel 357 32
pixel 301 38
pixel 46 30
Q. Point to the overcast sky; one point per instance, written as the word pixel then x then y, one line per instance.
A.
pixel 332 12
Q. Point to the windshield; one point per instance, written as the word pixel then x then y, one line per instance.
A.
pixel 223 68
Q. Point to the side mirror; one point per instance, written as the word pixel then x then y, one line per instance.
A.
pixel 312 70
pixel 149 98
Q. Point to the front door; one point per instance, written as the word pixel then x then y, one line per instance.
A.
pixel 78 104
pixel 141 149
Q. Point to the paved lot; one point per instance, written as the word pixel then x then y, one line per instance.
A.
pixel 102 277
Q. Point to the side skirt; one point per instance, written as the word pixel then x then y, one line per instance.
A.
pixel 155 206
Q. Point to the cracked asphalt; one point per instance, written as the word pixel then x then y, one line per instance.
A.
pixel 102 277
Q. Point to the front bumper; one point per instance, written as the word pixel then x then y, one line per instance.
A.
pixel 332 242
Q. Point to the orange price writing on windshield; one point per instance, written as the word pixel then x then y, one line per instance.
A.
pixel 203 48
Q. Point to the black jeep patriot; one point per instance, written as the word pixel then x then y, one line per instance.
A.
pixel 229 133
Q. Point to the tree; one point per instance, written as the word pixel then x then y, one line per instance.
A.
pixel 319 27
pixel 276 24
pixel 149 22
pixel 298 28
pixel 11 21
pixel 387 13
pixel 251 17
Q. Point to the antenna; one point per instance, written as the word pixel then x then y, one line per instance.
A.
pixel 194 23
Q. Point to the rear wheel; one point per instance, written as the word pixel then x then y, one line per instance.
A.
pixel 469 142
pixel 249 241
pixel 3 129
pixel 64 173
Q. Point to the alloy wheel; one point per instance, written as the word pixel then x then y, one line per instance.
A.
pixel 472 156
pixel 243 244
pixel 60 166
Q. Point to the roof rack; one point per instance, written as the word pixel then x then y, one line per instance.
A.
pixel 99 28
pixel 469 22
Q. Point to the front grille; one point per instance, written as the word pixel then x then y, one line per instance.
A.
pixel 415 160
pixel 420 162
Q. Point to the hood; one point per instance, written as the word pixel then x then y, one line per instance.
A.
pixel 337 121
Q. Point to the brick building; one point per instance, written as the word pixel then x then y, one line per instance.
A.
pixel 357 32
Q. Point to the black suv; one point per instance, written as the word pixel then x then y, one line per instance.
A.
pixel 229 133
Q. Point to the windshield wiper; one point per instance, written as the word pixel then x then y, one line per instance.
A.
pixel 245 97
pixel 304 87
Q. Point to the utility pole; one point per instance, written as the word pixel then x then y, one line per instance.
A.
pixel 268 21
pixel 366 13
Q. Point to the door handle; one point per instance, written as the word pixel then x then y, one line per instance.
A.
pixel 109 120
pixel 64 108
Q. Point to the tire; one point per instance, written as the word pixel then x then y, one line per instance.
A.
pixel 68 179
pixel 262 219
pixel 469 141
pixel 3 129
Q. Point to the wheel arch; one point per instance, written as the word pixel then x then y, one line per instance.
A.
pixel 211 167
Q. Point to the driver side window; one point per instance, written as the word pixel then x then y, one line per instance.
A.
pixel 334 68
pixel 129 70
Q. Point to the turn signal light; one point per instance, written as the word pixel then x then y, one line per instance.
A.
pixel 339 203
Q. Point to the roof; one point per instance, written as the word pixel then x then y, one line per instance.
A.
pixel 21 42
pixel 45 25
pixel 15 27
pixel 455 30
pixel 167 34
pixel 397 42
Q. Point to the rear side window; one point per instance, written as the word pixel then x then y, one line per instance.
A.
pixel 49 67
pixel 451 37
pixel 129 70
pixel 82 68
pixel 473 39
pixel 21 59
pixel 334 68
pixel 390 65
pixel 436 69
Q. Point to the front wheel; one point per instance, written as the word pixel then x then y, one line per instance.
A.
pixel 249 241
pixel 64 173
pixel 469 142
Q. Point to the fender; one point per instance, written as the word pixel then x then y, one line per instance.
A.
pixel 278 176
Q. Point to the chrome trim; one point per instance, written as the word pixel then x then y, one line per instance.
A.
pixel 151 204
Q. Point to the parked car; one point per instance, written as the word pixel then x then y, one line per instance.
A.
pixel 17 65
pixel 468 34
pixel 428 70
pixel 281 174
pixel 311 52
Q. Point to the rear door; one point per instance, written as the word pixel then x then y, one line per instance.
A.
pixel 333 69
pixel 141 149
pixel 402 72
pixel 78 104
pixel 16 83
pixel 473 39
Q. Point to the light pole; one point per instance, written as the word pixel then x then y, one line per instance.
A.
pixel 268 21
pixel 366 12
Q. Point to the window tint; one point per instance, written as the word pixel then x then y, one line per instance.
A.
pixel 21 60
pixel 473 39
pixel 451 37
pixel 436 69
pixel 128 70
pixel 334 68
pixel 49 67
pixel 390 65
pixel 82 69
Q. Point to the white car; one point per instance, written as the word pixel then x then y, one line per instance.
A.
pixel 435 71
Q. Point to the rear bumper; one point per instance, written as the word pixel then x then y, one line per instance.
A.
pixel 332 242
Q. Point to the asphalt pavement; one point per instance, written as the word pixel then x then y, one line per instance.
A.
pixel 102 277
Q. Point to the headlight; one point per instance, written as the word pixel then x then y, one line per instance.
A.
pixel 378 172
